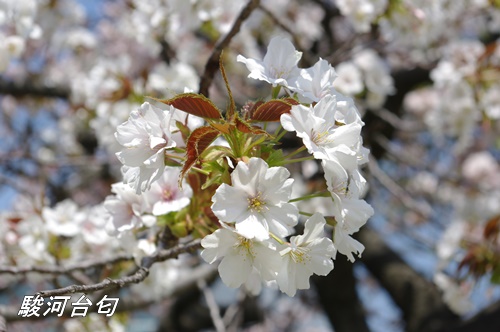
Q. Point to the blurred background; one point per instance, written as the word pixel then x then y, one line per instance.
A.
pixel 424 75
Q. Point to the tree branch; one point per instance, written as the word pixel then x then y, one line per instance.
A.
pixel 204 272
pixel 213 61
pixel 139 275
pixel 32 89
pixel 341 304
pixel 485 321
pixel 421 302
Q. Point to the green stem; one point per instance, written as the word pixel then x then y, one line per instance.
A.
pixel 298 160
pixel 199 170
pixel 277 138
pixel 280 241
pixel 179 150
pixel 173 156
pixel 275 91
pixel 277 130
pixel 324 193
pixel 305 214
pixel 299 150
pixel 257 142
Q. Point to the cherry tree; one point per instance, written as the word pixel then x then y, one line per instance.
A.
pixel 159 154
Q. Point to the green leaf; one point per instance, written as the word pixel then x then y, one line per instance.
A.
pixel 495 276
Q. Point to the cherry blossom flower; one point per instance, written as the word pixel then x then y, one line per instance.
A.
pixel 279 66
pixel 350 79
pixel 240 256
pixel 346 190
pixel 165 195
pixel 144 137
pixel 345 243
pixel 350 211
pixel 61 220
pixel 320 133
pixel 257 201
pixel 316 82
pixel 125 209
pixel 307 254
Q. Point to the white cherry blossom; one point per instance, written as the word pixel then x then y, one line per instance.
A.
pixel 165 196
pixel 125 209
pixel 257 200
pixel 307 254
pixel 315 82
pixel 62 219
pixel 322 136
pixel 144 137
pixel 240 256
pixel 279 66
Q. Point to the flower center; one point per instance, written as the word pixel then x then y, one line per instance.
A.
pixel 279 72
pixel 167 195
pixel 320 138
pixel 256 203
pixel 247 246
pixel 299 254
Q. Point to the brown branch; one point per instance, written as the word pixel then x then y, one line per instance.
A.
pixel 205 272
pixel 139 275
pixel 420 301
pixel 213 61
pixel 341 305
pixel 32 89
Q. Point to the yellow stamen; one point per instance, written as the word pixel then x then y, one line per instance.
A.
pixel 256 203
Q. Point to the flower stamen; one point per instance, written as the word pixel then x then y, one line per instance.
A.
pixel 256 203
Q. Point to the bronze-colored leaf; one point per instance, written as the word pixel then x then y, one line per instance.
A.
pixel 222 127
pixel 246 128
pixel 492 227
pixel 197 142
pixel 195 104
pixel 271 110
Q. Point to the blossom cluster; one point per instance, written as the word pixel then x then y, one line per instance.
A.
pixel 252 211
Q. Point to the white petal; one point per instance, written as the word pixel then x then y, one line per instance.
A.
pixel 253 227
pixel 235 269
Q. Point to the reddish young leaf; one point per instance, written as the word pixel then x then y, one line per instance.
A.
pixel 195 104
pixel 250 107
pixel 197 142
pixel 492 228
pixel 271 110
pixel 222 127
pixel 291 101
pixel 244 127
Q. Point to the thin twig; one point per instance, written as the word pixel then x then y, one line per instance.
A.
pixel 205 271
pixel 305 55
pixel 399 192
pixel 3 324
pixel 213 61
pixel 234 313
pixel 139 275
pixel 29 88
pixel 397 122
pixel 212 306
